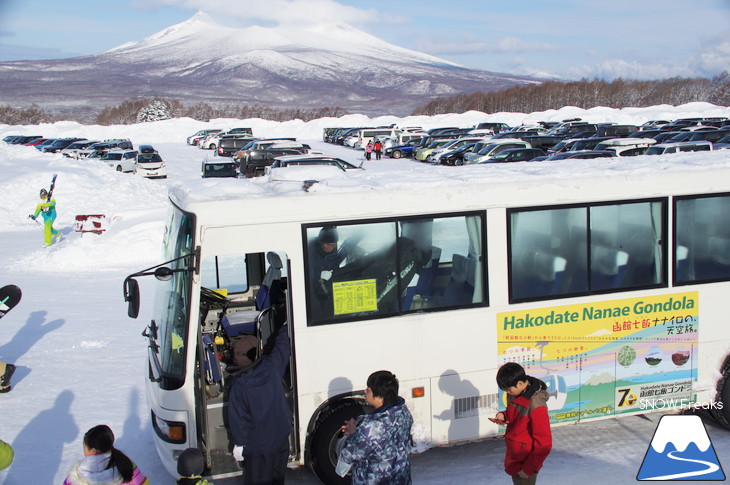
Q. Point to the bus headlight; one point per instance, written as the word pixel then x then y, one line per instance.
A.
pixel 170 431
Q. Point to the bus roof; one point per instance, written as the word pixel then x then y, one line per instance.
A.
pixel 414 188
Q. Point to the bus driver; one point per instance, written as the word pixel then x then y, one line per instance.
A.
pixel 323 260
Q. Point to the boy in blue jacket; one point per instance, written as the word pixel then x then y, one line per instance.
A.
pixel 378 444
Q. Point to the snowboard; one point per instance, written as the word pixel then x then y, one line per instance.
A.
pixel 9 297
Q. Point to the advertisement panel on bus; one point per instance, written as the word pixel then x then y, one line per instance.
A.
pixel 607 358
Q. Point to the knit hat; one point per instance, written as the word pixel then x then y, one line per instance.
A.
pixel 6 455
pixel 244 350
pixel 328 234
pixel 190 463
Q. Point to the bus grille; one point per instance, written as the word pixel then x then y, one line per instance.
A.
pixel 467 407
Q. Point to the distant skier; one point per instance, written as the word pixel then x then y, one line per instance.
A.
pixel 47 209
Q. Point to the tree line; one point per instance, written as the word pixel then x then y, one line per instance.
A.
pixel 521 99
pixel 144 110
pixel 586 94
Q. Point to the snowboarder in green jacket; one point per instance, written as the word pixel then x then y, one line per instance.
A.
pixel 47 209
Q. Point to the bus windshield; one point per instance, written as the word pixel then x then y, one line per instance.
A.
pixel 172 302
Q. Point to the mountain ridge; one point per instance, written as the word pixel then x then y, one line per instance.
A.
pixel 308 66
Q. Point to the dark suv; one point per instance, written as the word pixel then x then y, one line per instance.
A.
pixel 228 146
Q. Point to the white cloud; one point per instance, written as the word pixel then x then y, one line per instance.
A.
pixel 477 45
pixel 274 11
pixel 515 45
pixel 714 58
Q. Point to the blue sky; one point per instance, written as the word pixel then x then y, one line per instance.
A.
pixel 640 39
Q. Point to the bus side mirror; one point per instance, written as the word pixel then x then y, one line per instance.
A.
pixel 131 295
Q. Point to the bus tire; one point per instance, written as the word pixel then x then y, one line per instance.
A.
pixel 328 440
pixel 722 410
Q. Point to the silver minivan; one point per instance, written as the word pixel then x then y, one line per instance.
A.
pixel 680 146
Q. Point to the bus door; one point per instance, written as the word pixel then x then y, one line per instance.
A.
pixel 242 296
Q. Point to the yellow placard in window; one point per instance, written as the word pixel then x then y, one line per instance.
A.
pixel 354 296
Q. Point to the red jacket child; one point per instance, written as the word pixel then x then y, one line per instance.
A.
pixel 528 437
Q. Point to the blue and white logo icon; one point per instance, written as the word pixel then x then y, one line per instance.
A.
pixel 681 450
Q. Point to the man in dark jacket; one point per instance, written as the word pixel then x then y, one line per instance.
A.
pixel 258 413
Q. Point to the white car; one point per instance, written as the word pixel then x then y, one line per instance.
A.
pixel 150 165
pixel 120 160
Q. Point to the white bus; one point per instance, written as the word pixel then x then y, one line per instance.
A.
pixel 609 284
pixel 371 134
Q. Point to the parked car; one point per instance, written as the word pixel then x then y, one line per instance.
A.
pixel 106 145
pixel 676 147
pixel 456 157
pixel 228 146
pixel 583 154
pixel 515 155
pixel 707 135
pixel 493 148
pixel 309 160
pixel 644 134
pixel 489 127
pixel 59 144
pixel 254 161
pixel 435 155
pixel 722 144
pixel 405 150
pixel 628 151
pixel 120 160
pixel 198 135
pixel 72 151
pixel 423 153
pixel 588 143
pixel 621 145
pixel 35 142
pixel 616 131
pixel 23 139
pixel 240 131
pixel 543 142
pixel 44 143
pixel 149 163
pixel 219 168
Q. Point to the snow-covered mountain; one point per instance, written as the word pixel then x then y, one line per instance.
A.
pixel 201 61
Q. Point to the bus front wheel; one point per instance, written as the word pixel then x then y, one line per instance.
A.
pixel 328 440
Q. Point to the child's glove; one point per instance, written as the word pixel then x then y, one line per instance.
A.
pixel 31 216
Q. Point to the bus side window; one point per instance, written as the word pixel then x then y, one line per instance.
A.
pixel 387 267
pixel 703 247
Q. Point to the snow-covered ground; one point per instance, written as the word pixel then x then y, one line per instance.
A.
pixel 81 361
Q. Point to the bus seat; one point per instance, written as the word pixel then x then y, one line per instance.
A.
pixel 238 323
pixel 424 285
pixel 270 286
pixel 720 249
pixel 460 289
pixel 714 264
pixel 608 267
pixel 540 274
pixel 681 271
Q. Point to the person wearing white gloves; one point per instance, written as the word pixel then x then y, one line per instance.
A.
pixel 258 412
